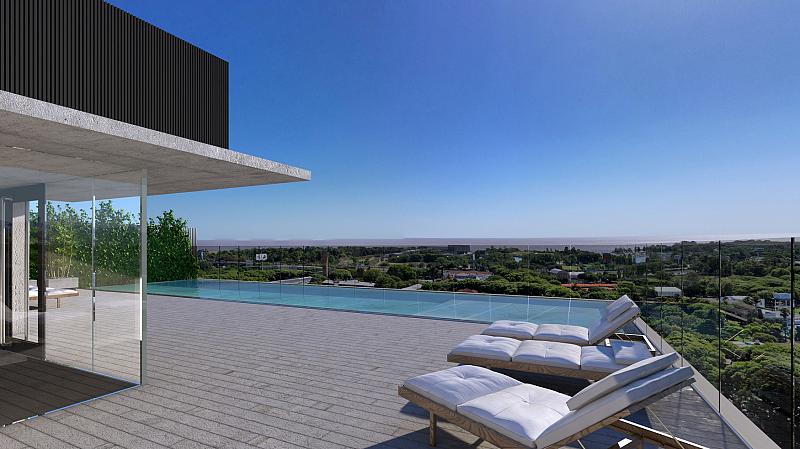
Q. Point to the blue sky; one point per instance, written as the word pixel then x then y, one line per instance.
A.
pixel 503 119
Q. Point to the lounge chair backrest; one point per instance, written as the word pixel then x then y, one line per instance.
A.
pixel 618 307
pixel 605 328
pixel 613 403
pixel 621 378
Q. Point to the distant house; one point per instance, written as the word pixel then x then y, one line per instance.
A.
pixel 559 274
pixel 639 258
pixel 460 275
pixel 779 301
pixel 735 299
pixel 575 275
pixel 667 292
pixel 459 249
pixel 771 315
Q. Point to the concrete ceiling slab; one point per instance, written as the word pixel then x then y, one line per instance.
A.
pixel 51 143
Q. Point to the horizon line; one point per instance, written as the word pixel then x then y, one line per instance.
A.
pixel 495 241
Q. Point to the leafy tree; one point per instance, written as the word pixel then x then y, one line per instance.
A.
pixel 403 272
pixel 169 249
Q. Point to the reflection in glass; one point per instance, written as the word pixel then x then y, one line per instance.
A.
pixel 63 239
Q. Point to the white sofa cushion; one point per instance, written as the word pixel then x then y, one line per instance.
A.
pixel 521 330
pixel 605 328
pixel 521 413
pixel 549 353
pixel 488 347
pixel 629 352
pixel 459 384
pixel 599 359
pixel 619 379
pixel 616 308
pixel 578 420
pixel 563 333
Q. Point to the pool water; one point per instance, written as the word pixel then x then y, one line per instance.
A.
pixel 461 306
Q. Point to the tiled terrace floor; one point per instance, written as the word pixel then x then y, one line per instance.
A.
pixel 231 375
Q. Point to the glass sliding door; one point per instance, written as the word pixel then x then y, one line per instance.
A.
pixel 71 296
pixel 118 278
pixel 68 271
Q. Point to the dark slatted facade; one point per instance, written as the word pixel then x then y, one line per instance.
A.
pixel 94 57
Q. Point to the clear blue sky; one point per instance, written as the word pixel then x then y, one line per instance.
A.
pixel 503 119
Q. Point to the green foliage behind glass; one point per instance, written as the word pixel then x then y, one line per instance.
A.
pixel 117 246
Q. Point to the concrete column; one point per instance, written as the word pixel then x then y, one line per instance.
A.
pixel 20 244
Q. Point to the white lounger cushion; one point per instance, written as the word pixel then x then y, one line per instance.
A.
pixel 629 352
pixel 618 379
pixel 613 403
pixel 614 317
pixel 459 384
pixel 599 359
pixel 520 330
pixel 549 353
pixel 604 328
pixel 618 307
pixel 521 413
pixel 33 292
pixel 488 347
pixel 563 333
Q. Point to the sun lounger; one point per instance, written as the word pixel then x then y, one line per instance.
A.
pixel 510 414
pixel 615 316
pixel 53 293
pixel 548 357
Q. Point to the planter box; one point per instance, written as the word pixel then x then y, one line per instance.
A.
pixel 58 283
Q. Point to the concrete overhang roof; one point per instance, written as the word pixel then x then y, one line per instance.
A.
pixel 62 143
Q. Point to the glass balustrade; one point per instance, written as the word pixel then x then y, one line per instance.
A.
pixel 726 307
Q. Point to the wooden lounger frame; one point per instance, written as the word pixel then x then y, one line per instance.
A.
pixel 616 421
pixel 528 367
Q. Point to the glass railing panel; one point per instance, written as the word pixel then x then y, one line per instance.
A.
pixel 793 340
pixel 504 307
pixel 473 306
pixel 208 275
pixel 262 273
pixel 311 277
pixel 247 273
pixel 755 371
pixel 228 269
pixel 666 276
pixel 700 330
pixel 289 272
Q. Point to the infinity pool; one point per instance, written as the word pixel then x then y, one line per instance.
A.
pixel 462 306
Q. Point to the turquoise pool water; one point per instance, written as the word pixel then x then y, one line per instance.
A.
pixel 462 306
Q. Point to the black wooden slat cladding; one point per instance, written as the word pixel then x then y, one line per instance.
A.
pixel 94 57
